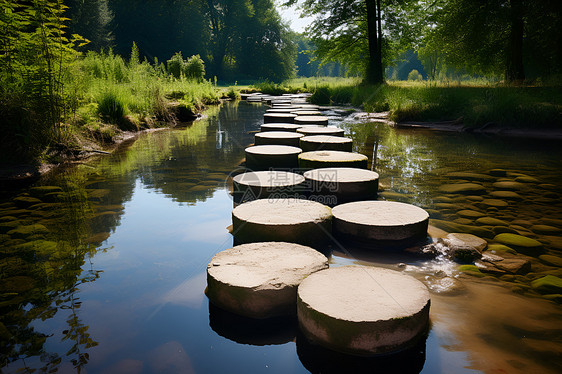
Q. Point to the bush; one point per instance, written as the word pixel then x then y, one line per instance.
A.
pixel 415 75
pixel 192 68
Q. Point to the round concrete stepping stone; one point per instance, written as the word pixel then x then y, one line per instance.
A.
pixel 280 127
pixel 463 188
pixel 306 112
pixel 325 142
pixel 279 117
pixel 291 220
pixel 263 157
pixel 282 110
pixel 344 184
pixel 263 184
pixel 329 130
pixel 363 310
pixel 260 280
pixel 311 120
pixel 323 159
pixel 385 222
pixel 278 138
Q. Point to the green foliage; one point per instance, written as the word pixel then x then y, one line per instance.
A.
pixel 414 75
pixel 112 107
pixel 191 68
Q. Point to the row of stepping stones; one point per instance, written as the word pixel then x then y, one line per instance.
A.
pixel 275 269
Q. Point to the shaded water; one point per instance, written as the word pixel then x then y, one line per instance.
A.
pixel 104 270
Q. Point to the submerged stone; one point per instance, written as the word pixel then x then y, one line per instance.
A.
pixel 22 232
pixel 508 185
pixel 548 285
pixel 456 227
pixel 546 229
pixel 519 242
pixel 26 201
pixel 551 260
pixel 42 191
pixel 260 280
pixel 498 172
pixel 470 213
pixel 510 195
pixel 494 202
pixel 469 176
pixel 363 310
pixel 462 188
pixel 491 221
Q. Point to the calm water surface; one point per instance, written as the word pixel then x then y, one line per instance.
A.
pixel 102 266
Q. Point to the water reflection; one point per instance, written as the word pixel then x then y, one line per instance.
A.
pixel 102 264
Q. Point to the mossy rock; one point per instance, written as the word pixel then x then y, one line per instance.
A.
pixel 471 270
pixel 18 284
pixel 445 205
pixel 467 213
pixel 551 260
pixel 463 221
pixel 554 297
pixel 443 199
pixel 7 219
pixel 491 221
pixel 456 227
pixel 498 172
pixel 53 197
pixel 22 232
pixel 41 247
pixel 509 185
pixel 501 248
pixel 526 179
pixel 8 226
pixel 520 243
pixel 553 241
pixel 42 191
pixel 470 176
pixel 26 201
pixel 546 230
pixel 474 198
pixel 547 285
pixel 504 229
pixel 496 203
pixel 508 195
pixel 462 188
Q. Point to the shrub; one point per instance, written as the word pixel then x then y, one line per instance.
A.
pixel 175 65
pixel 111 107
pixel 415 75
pixel 194 68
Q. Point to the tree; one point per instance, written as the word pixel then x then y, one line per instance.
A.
pixel 497 37
pixel 92 19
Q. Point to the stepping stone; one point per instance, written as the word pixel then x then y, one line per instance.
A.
pixel 263 157
pixel 326 143
pixel 280 127
pixel 260 280
pixel 278 138
pixel 363 310
pixel 278 117
pixel 380 222
pixel 291 220
pixel 323 159
pixel 263 184
pixel 305 112
pixel 282 110
pixel 311 120
pixel 343 184
pixel 329 130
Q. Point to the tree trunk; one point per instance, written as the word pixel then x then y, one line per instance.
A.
pixel 374 66
pixel 514 64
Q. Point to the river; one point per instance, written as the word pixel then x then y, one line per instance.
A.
pixel 102 264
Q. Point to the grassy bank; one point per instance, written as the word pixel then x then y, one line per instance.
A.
pixel 100 96
pixel 474 103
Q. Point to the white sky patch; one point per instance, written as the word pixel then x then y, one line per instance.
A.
pixel 292 16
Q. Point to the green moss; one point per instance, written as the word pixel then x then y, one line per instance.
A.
pixel 23 232
pixel 520 243
pixel 462 188
pixel 551 260
pixel 471 270
pixel 547 285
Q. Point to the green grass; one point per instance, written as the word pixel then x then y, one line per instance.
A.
pixel 476 102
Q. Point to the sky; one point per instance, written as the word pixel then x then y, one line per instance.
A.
pixel 291 15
